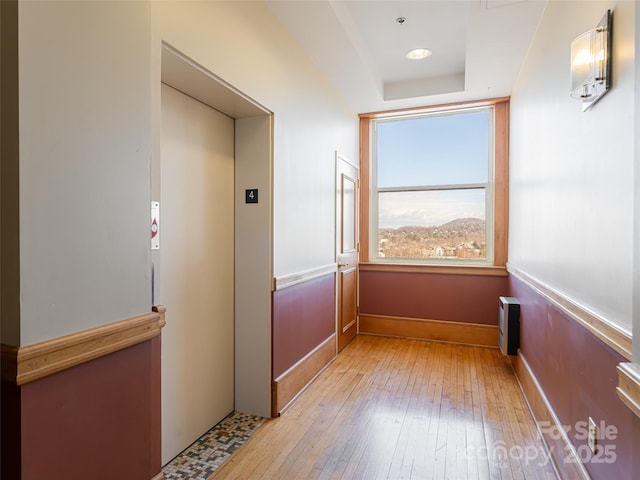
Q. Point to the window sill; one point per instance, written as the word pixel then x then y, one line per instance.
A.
pixel 480 270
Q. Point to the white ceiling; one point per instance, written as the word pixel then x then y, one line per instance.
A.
pixel 478 47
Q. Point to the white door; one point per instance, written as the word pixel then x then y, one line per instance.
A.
pixel 197 268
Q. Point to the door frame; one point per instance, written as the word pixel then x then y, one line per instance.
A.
pixel 254 247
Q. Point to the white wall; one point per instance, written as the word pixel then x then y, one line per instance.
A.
pixel 571 173
pixel 84 165
pixel 242 43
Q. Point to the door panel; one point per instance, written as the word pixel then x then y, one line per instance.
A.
pixel 347 250
pixel 348 303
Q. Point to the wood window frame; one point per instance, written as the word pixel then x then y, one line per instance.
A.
pixel 501 188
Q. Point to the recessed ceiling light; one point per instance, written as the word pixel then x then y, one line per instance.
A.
pixel 418 53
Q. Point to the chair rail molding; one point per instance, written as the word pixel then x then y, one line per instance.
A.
pixel 629 385
pixel 21 365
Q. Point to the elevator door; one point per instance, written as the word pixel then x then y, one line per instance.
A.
pixel 197 269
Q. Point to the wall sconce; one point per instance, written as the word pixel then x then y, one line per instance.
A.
pixel 591 63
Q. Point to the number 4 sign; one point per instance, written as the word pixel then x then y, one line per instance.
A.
pixel 251 195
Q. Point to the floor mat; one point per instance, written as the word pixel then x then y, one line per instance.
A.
pixel 208 452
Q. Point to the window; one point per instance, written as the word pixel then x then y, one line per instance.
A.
pixel 436 185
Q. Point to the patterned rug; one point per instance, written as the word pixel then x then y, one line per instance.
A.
pixel 208 452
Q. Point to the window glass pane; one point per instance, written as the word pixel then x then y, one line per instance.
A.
pixel 434 150
pixel 445 224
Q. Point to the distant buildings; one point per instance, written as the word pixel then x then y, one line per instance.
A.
pixel 463 238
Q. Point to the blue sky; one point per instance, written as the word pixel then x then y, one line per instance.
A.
pixel 435 150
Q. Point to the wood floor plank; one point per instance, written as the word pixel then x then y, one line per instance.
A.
pixel 345 450
pixel 400 409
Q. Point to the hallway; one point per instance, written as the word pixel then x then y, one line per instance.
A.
pixel 395 408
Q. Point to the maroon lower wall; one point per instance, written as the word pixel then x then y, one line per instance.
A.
pixel 99 420
pixel 577 373
pixel 456 298
pixel 303 317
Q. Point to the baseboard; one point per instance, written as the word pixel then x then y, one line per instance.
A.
pixel 159 476
pixel 292 382
pixel 438 330
pixel 562 452
pixel 22 365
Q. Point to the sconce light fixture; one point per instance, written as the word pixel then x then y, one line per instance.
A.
pixel 591 63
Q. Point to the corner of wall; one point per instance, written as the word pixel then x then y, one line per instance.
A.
pixel 9 176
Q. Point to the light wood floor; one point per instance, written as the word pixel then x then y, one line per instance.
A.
pixel 401 409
